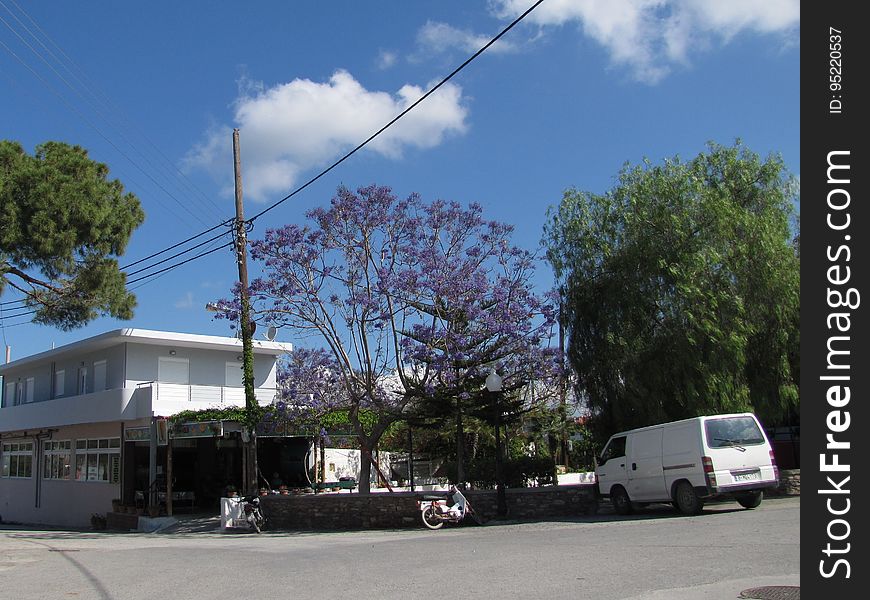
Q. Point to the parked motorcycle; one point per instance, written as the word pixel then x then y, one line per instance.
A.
pixel 437 510
pixel 253 513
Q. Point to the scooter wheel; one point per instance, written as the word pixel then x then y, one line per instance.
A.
pixel 431 518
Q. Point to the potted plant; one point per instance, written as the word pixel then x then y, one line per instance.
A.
pixel 282 489
pixel 98 521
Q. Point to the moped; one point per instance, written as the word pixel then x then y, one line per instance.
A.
pixel 253 513
pixel 437 510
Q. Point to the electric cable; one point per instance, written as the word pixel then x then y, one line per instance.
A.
pixel 100 100
pixel 249 221
pixel 184 262
pixel 400 115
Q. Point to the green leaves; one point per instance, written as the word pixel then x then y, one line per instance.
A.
pixel 680 288
pixel 62 222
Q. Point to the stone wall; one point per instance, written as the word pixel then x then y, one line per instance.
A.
pixel 789 483
pixel 394 510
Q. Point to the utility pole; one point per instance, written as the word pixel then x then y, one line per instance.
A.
pixel 249 454
pixel 563 389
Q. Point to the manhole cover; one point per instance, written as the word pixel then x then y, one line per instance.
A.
pixel 773 592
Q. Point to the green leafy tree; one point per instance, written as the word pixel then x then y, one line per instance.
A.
pixel 62 223
pixel 681 289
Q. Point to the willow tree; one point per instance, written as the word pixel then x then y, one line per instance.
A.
pixel 63 222
pixel 680 289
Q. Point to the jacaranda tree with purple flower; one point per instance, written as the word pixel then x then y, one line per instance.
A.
pixel 414 302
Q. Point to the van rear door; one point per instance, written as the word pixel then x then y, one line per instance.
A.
pixel 646 481
pixel 739 451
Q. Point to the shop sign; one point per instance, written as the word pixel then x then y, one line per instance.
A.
pixel 137 434
pixel 198 429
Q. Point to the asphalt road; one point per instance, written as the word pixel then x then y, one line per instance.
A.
pixel 651 556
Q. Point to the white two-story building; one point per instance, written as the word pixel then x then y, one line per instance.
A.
pixel 80 424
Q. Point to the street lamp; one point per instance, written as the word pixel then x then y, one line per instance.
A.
pixel 493 384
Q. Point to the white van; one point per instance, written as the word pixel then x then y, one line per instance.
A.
pixel 688 462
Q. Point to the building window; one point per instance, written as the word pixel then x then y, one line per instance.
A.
pixel 29 390
pixel 99 376
pixel 173 370
pixel 234 374
pixel 9 396
pixel 57 459
pixel 98 459
pixel 17 460
pixel 82 387
pixel 59 383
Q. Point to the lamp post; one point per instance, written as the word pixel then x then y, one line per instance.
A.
pixel 493 385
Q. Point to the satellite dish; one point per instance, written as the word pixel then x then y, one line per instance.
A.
pixel 271 332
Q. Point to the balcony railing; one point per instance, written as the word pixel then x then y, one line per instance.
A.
pixel 168 398
pixel 126 404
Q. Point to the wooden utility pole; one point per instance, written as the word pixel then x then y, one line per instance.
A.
pixel 249 460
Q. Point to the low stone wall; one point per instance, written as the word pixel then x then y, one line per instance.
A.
pixel 395 510
pixel 121 521
pixel 538 503
pixel 789 483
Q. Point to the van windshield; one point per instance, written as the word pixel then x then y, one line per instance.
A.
pixel 733 431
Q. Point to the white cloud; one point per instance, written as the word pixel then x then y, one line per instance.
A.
pixel 649 37
pixel 441 37
pixel 185 301
pixel 386 59
pixel 292 127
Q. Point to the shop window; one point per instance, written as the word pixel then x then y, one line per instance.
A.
pixel 16 460
pixel 57 459
pixel 98 459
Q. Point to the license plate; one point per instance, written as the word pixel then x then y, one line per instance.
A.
pixel 747 476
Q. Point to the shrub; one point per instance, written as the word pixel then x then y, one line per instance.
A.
pixel 526 471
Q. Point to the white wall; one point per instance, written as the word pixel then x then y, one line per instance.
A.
pixel 207 367
pixel 346 463
pixel 43 374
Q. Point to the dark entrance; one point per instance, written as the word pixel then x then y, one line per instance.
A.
pixel 202 468
pixel 285 460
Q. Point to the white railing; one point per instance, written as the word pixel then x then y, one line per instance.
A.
pixel 167 398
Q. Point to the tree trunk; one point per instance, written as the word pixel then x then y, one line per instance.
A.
pixel 460 443
pixel 365 469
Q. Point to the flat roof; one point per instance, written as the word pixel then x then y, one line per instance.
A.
pixel 148 336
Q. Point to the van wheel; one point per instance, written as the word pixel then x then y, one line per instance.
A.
pixel 686 500
pixel 620 500
pixel 750 499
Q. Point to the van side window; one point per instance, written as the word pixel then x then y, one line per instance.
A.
pixel 614 449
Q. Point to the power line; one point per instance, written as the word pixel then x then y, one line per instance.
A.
pixel 176 255
pixel 181 243
pixel 88 122
pixel 97 104
pixel 175 266
pixel 400 115
pixel 310 181
pixel 103 100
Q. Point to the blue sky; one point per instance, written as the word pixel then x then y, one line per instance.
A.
pixel 564 100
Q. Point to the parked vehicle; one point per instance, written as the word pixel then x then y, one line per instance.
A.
pixel 687 463
pixel 253 513
pixel 440 509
